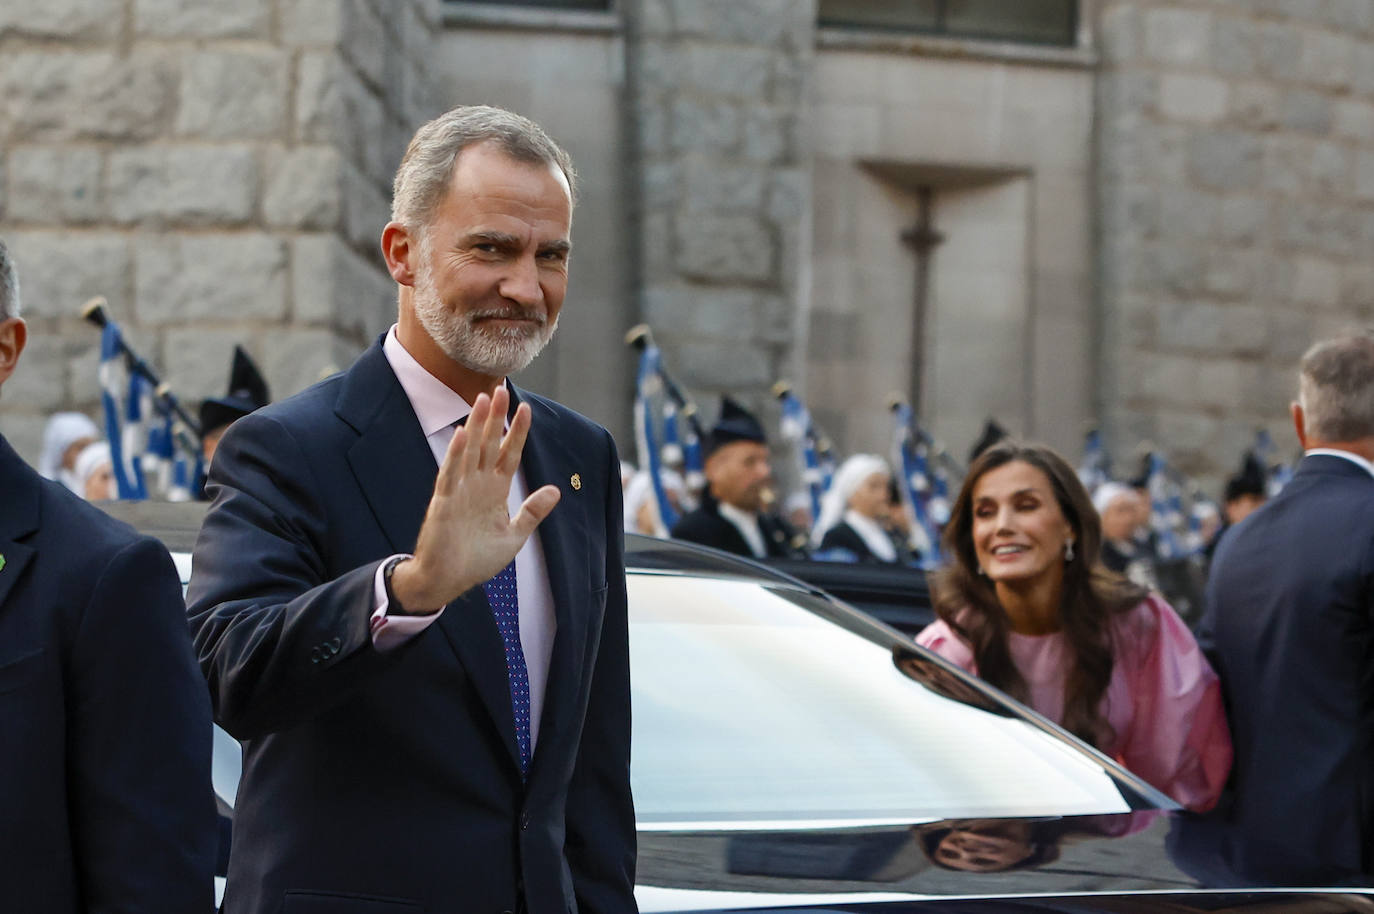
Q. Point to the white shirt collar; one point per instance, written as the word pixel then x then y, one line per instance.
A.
pixel 748 525
pixel 873 535
pixel 1344 455
pixel 436 405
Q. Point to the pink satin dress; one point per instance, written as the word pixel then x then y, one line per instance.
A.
pixel 1163 702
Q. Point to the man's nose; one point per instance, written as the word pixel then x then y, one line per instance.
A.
pixel 521 283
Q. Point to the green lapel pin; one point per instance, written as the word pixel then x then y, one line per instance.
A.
pixel 2 563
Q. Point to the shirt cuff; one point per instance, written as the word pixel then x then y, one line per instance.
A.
pixel 390 632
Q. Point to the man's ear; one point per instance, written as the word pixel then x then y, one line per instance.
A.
pixel 14 333
pixel 401 249
pixel 1299 422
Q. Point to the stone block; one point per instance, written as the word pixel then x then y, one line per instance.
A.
pixel 1166 379
pixel 771 135
pixel 764 23
pixel 1328 59
pixel 1364 176
pixel 1290 337
pixel 1286 163
pixel 1331 169
pixel 663 183
pixel 1235 44
pixel 295 359
pixel 83 370
pixel 228 95
pixel 65 20
pixel 701 126
pixel 202 18
pixel 40 383
pixel 1242 219
pixel 1363 79
pixel 24 431
pixel 1225 159
pixel 1119 33
pixel 728 366
pixel 303 188
pixel 685 312
pixel 311 23
pixel 196 360
pixel 1316 282
pixel 51 95
pixel 1325 228
pixel 1357 289
pixel 725 248
pixel 60 271
pixel 222 277
pixel 658 246
pixel 55 184
pixel 183 185
pixel 736 72
pixel 1279 51
pixel 1256 106
pixel 1309 112
pixel 1200 99
pixel 1232 274
pixel 1207 329
pixel 1183 212
pixel 365 41
pixel 1180 37
pixel 366 209
pixel 1353 119
pixel 789 197
pixel 724 187
pixel 332 286
pixel 319 105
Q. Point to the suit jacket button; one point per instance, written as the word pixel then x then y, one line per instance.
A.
pixel 336 644
pixel 315 654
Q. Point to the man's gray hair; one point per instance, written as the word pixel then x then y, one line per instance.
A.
pixel 423 176
pixel 1336 387
pixel 9 285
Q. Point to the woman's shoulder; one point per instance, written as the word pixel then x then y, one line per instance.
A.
pixel 940 637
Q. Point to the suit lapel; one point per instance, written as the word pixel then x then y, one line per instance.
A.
pixel 19 510
pixel 395 470
pixel 547 462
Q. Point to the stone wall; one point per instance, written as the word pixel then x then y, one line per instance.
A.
pixel 220 172
pixel 717 89
pixel 1236 182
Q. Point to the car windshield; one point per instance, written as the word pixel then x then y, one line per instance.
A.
pixel 752 710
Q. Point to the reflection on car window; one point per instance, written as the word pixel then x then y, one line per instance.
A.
pixel 751 711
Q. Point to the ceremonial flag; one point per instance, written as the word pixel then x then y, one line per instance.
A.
pixel 798 428
pixel 917 489
pixel 122 395
pixel 649 394
pixel 1166 510
pixel 1095 467
pixel 1277 473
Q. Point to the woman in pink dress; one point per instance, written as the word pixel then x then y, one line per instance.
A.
pixel 1026 604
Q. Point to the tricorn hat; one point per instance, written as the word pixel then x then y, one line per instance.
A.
pixel 1251 480
pixel 735 424
pixel 247 392
pixel 992 433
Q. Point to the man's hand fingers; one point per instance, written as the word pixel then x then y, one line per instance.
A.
pixel 448 470
pixel 535 508
pixel 508 461
pixel 473 439
pixel 495 427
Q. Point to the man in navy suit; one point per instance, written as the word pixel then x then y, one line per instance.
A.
pixel 105 796
pixel 433 703
pixel 1290 627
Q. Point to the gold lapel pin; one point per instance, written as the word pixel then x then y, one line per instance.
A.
pixel 576 480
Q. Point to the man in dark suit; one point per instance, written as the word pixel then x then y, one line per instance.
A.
pixel 733 513
pixel 1290 626
pixel 433 703
pixel 105 796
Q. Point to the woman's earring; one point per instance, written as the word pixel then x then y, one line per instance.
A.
pixel 981 571
pixel 1068 550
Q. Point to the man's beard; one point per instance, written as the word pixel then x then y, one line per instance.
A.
pixel 489 350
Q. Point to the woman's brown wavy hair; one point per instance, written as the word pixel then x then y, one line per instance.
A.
pixel 967 601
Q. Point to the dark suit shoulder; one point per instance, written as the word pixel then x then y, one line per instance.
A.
pixel 843 536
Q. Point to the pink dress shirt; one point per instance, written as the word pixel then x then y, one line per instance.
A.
pixel 1163 702
pixel 438 408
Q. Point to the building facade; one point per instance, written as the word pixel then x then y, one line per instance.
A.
pixel 1132 213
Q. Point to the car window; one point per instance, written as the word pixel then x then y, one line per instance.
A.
pixel 750 710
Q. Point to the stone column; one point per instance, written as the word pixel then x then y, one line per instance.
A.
pixel 717 96
pixel 1236 180
pixel 220 172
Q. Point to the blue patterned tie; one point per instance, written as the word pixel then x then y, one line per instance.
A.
pixel 505 605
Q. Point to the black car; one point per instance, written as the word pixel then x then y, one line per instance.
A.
pixel 792 754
